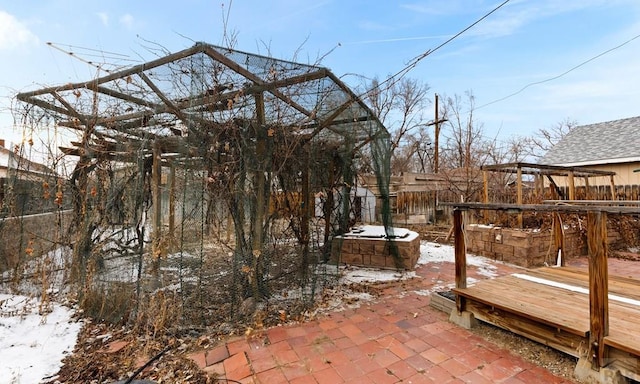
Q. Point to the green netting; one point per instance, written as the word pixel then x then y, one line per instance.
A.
pixel 221 180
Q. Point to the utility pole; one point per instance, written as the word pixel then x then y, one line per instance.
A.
pixel 436 123
pixel 436 157
pixel 437 133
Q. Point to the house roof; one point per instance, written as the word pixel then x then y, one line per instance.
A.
pixel 609 142
pixel 11 160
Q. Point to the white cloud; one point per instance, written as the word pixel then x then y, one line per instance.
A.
pixel 504 25
pixel 518 14
pixel 13 33
pixel 127 20
pixel 442 8
pixel 104 18
pixel 422 8
pixel 369 25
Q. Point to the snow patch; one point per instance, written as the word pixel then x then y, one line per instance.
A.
pixel 444 253
pixel 371 275
pixel 32 345
pixel 574 288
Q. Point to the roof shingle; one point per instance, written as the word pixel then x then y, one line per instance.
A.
pixel 614 141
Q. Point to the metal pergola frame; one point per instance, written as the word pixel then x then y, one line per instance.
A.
pixel 199 88
pixel 163 110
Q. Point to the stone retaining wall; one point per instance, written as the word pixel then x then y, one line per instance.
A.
pixel 376 252
pixel 526 248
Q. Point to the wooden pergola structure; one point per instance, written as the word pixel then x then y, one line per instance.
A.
pixel 170 111
pixel 548 171
pixel 588 325
pixel 541 171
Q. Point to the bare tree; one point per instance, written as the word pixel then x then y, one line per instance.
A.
pixel 515 149
pixel 545 138
pixel 422 150
pixel 401 107
pixel 464 149
pixel 464 145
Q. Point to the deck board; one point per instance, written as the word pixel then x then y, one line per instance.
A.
pixel 564 309
pixel 534 301
pixel 618 285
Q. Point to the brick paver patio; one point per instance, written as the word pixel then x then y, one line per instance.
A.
pixel 398 338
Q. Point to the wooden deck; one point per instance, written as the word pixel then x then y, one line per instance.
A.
pixel 597 324
pixel 551 305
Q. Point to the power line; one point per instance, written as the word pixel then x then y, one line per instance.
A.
pixel 100 51
pixel 104 55
pixel 414 62
pixel 562 74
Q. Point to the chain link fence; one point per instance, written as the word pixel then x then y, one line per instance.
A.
pixel 206 190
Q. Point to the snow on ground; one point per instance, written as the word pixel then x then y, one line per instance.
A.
pixel 32 345
pixel 438 253
pixel 370 275
pixel 429 253
pixel 444 253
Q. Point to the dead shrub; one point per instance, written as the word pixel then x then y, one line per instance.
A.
pixel 157 314
pixel 111 303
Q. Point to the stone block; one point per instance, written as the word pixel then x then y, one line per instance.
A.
pixel 378 261
pixel 605 375
pixel 347 246
pixel 382 248
pixel 465 319
pixel 503 249
pixel 350 258
pixel 523 252
pixel 366 248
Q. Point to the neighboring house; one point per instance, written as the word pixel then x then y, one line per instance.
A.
pixel 608 146
pixel 26 169
pixel 415 197
pixel 6 157
pixel 25 186
pixel 31 222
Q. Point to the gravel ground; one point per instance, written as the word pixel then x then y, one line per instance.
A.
pixel 557 362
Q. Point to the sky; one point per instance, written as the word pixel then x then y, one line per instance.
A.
pixel 530 65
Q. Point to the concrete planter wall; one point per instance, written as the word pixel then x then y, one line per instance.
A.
pixel 371 248
pixel 526 248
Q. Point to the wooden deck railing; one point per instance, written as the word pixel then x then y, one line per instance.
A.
pixel 597 246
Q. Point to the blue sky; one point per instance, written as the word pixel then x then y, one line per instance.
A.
pixel 509 61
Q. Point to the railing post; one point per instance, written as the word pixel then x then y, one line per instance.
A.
pixel 519 194
pixel 485 184
pixel 460 259
pixel 572 186
pixel 598 286
pixel 156 195
pixel 558 238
